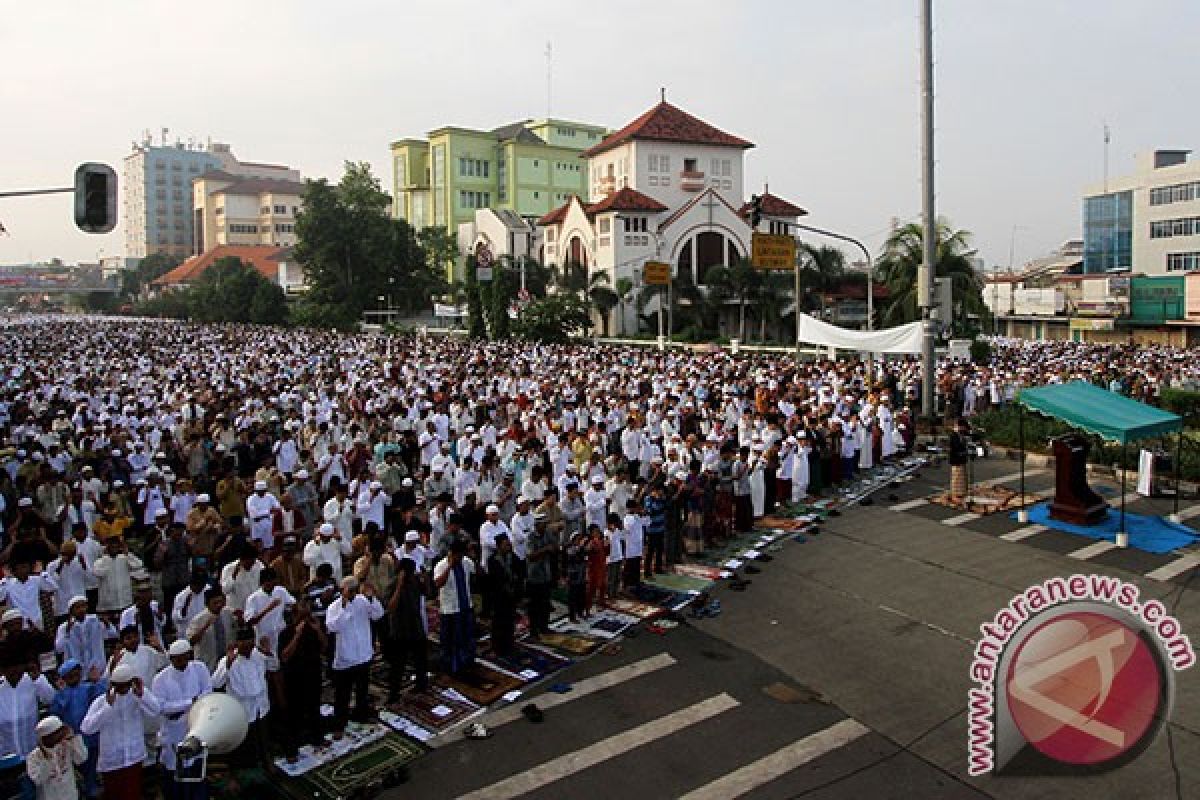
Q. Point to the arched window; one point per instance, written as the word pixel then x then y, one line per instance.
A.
pixel 684 267
pixel 710 252
pixel 576 253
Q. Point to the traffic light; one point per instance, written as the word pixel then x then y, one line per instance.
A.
pixel 95 198
pixel 755 210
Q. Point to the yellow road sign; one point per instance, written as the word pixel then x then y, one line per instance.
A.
pixel 773 251
pixel 656 273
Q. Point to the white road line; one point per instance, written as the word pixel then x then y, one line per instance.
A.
pixel 767 769
pixel 961 518
pixel 910 504
pixel 596 683
pixel 1016 476
pixel 1189 512
pixel 1176 567
pixel 571 763
pixel 1092 550
pixel 1023 533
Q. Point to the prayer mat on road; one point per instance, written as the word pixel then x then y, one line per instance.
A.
pixel 570 644
pixel 433 709
pixel 605 624
pixel 684 583
pixel 480 683
pixel 702 571
pixel 337 779
pixel 527 657
pixel 635 608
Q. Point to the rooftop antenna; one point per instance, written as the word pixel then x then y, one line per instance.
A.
pixel 1107 137
pixel 549 77
pixel 662 94
pixel 164 137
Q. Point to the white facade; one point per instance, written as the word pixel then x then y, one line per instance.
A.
pixel 1165 189
pixel 668 187
pixel 504 233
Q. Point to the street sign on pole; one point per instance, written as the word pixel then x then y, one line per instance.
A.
pixel 656 273
pixel 773 251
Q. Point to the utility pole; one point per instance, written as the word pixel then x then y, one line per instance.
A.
pixel 925 273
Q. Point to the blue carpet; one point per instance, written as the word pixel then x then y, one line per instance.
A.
pixel 1148 533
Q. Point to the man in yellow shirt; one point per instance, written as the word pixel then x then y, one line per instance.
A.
pixel 110 524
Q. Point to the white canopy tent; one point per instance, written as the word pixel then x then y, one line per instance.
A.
pixel 898 340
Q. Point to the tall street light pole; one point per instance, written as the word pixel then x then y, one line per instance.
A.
pixel 925 273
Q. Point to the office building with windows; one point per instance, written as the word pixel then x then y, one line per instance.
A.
pixel 157 210
pixel 1147 222
pixel 527 167
pixel 231 210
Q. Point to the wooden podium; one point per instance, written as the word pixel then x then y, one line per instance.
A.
pixel 1074 500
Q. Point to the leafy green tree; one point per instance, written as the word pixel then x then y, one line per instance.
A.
pixel 230 291
pixel 441 248
pixel 554 319
pixel 773 295
pixel 901 258
pixel 353 251
pixel 152 266
pixel 603 299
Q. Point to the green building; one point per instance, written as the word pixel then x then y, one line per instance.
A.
pixel 529 167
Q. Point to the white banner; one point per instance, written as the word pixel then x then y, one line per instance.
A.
pixel 902 339
pixel 444 310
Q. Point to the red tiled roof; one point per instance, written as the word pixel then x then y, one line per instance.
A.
pixel 666 123
pixel 264 258
pixel 626 199
pixel 773 206
pixel 557 215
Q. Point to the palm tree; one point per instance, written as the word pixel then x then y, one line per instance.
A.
pixel 823 267
pixel 740 281
pixel 772 297
pixel 603 299
pixel 902 255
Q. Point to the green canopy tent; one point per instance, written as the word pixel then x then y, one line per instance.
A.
pixel 1106 414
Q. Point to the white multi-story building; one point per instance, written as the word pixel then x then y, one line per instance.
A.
pixel 157 183
pixel 666 187
pixel 1147 222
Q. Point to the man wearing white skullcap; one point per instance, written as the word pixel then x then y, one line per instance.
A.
pixel 117 717
pixel 177 686
pixel 51 765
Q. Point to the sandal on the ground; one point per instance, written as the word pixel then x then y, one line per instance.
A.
pixel 476 730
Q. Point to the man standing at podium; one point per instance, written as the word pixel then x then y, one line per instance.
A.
pixel 959 442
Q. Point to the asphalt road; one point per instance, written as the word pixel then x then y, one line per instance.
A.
pixel 870 628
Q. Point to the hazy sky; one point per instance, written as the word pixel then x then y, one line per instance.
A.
pixel 828 91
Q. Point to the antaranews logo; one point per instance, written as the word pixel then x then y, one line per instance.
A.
pixel 1076 669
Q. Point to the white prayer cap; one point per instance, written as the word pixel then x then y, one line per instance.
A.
pixel 376 485
pixel 412 536
pixel 203 498
pixel 522 499
pixel 49 726
pixel 326 529
pixel 123 674
pixel 492 509
pixel 77 599
pixel 680 475
pixel 179 647
pixel 407 483
pixel 260 486
pixel 11 615
pixel 25 502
